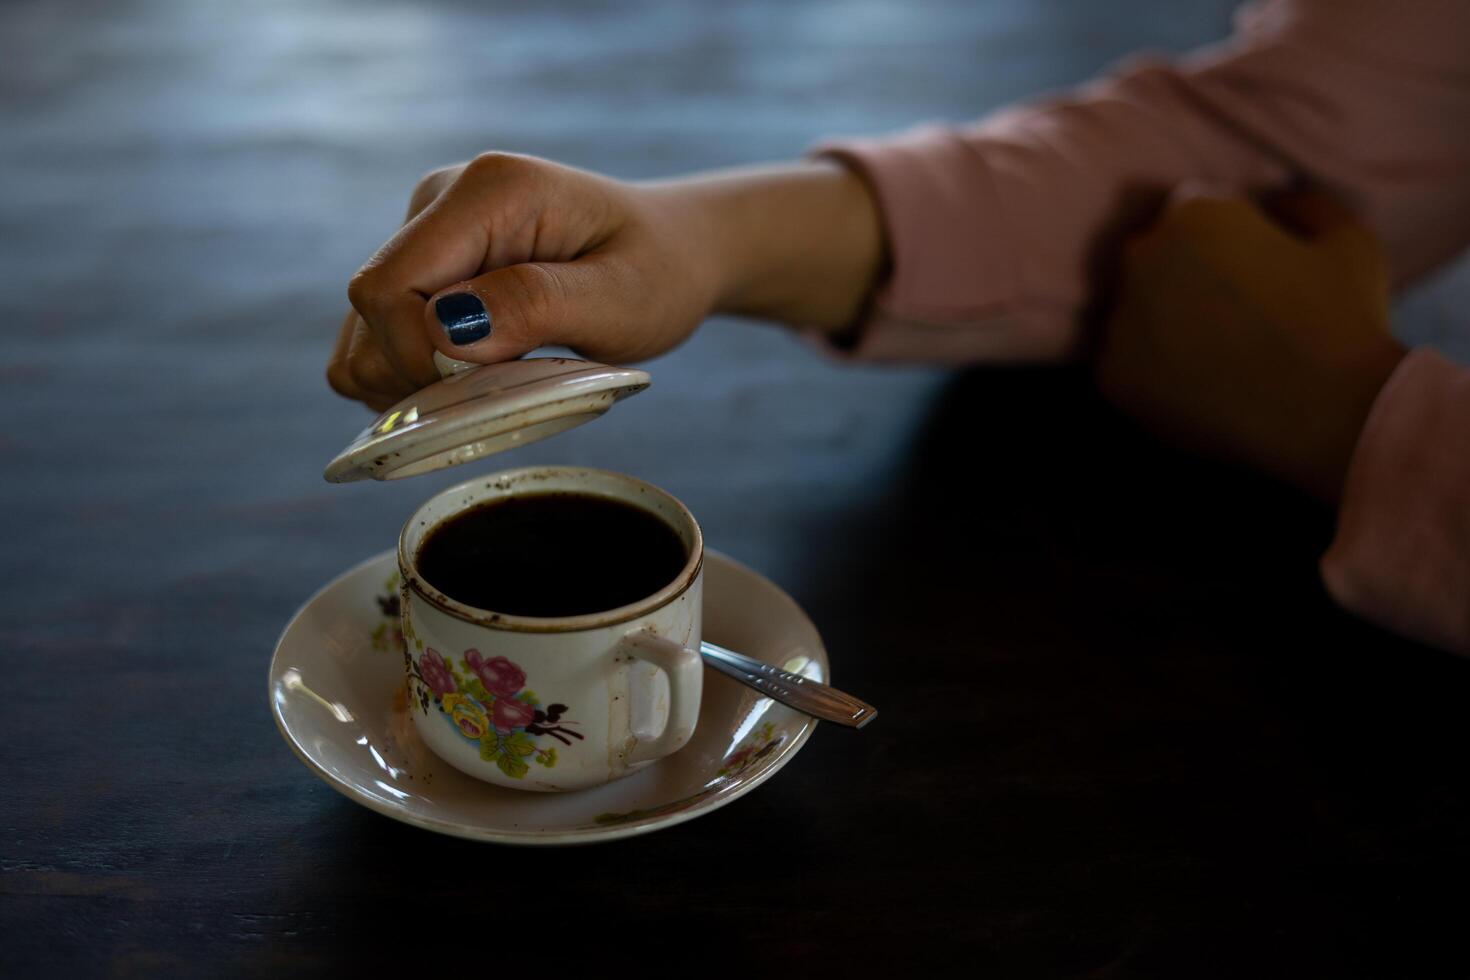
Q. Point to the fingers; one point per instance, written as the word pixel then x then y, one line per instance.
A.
pixel 1263 245
pixel 508 312
pixel 520 238
pixel 338 374
pixel 1308 212
pixel 446 240
pixel 430 187
pixel 360 367
pixel 1335 232
pixel 359 370
pixel 373 371
pixel 1209 214
pixel 1205 223
pixel 391 316
pixel 1200 190
pixel 1212 215
pixel 488 216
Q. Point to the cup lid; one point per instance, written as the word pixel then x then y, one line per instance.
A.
pixel 480 409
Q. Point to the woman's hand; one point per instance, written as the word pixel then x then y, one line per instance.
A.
pixel 507 253
pixel 504 254
pixel 1235 336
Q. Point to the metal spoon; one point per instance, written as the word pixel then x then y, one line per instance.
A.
pixel 805 695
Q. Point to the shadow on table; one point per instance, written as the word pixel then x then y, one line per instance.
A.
pixel 1121 726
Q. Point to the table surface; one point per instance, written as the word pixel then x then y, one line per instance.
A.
pixel 1123 731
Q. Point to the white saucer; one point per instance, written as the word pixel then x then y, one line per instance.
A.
pixel 337 695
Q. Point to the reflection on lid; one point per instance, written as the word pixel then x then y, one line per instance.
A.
pixel 391 419
pixel 483 410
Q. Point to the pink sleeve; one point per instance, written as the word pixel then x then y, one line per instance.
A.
pixel 1401 556
pixel 997 231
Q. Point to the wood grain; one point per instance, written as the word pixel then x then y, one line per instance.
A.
pixel 1123 732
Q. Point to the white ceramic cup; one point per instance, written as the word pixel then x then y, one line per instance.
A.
pixel 553 704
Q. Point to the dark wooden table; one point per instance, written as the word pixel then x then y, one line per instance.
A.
pixel 1124 732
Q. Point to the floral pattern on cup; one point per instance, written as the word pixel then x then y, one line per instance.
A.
pixel 388 635
pixel 436 673
pixel 498 674
pixel 486 701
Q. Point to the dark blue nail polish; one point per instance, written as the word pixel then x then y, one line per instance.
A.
pixel 464 317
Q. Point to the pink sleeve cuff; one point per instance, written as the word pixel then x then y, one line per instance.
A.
pixel 939 213
pixel 950 294
pixel 1401 555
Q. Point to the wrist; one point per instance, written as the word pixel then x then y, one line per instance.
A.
pixel 801 243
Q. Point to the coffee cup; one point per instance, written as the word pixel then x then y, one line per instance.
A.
pixel 538 695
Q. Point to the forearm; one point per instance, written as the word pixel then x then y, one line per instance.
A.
pixel 800 243
pixel 1000 233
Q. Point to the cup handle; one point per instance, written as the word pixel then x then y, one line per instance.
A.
pixel 686 679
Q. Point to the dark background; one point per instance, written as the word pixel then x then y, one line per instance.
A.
pixel 1124 732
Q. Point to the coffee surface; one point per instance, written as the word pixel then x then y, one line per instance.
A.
pixel 552 554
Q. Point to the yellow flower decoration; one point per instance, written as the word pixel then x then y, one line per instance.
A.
pixel 466 714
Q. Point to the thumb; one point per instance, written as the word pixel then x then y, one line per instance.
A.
pixel 511 311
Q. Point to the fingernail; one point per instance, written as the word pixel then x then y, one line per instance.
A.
pixel 464 317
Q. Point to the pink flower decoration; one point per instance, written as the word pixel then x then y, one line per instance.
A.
pixel 435 672
pixel 499 675
pixel 510 713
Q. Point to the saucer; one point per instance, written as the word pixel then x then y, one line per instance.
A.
pixel 338 697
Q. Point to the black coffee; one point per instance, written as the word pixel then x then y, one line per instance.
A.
pixel 551 554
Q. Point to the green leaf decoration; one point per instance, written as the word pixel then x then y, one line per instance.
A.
pixel 490 747
pixel 546 757
pixel 529 697
pixel 518 744
pixel 418 644
pixel 378 635
pixel 476 689
pixel 512 767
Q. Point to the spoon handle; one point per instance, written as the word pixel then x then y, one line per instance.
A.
pixel 809 696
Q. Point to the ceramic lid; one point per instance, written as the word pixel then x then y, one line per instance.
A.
pixel 479 409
